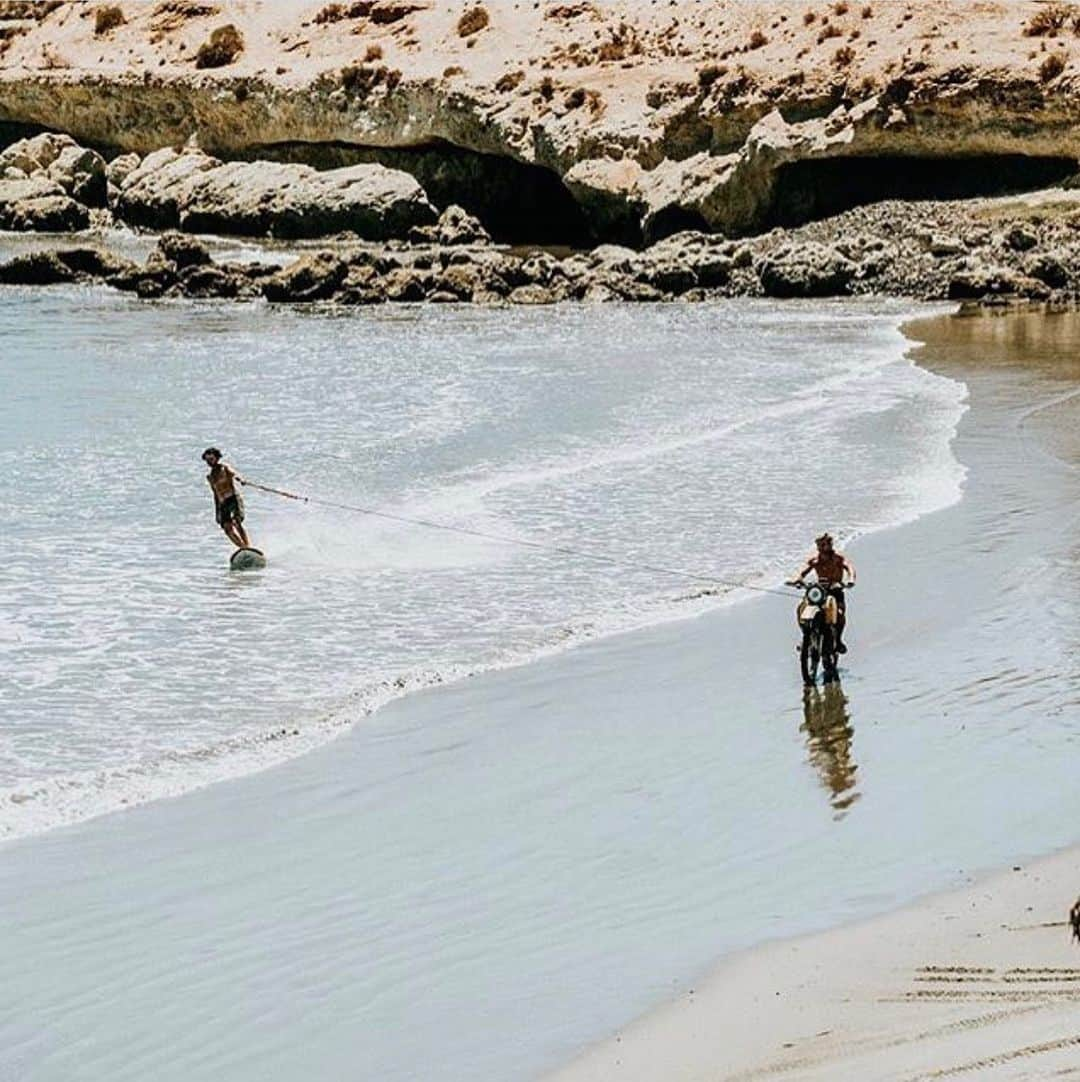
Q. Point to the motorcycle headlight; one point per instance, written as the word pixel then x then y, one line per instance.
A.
pixel 815 595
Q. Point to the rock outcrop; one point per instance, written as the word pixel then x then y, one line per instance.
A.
pixel 198 193
pixel 962 251
pixel 635 122
pixel 76 170
pixel 40 205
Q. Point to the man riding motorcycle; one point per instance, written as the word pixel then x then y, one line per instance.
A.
pixel 834 572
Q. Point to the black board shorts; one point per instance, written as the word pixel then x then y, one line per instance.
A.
pixel 231 509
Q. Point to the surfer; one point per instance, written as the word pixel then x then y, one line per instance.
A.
pixel 228 506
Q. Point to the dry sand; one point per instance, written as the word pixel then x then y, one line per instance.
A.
pixel 981 982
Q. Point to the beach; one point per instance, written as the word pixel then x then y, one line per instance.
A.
pixel 978 982
pixel 489 878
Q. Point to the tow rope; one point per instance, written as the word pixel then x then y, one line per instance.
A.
pixel 562 550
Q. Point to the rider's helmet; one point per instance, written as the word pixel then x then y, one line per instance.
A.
pixel 825 541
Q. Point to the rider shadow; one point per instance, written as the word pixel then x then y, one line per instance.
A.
pixel 829 737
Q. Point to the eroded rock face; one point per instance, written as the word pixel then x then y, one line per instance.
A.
pixel 198 193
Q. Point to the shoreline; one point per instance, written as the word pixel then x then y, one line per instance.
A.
pixel 308 733
pixel 513 865
pixel 962 979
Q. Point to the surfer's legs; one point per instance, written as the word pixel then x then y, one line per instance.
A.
pixel 235 534
pixel 242 534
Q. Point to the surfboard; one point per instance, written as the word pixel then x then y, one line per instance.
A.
pixel 247 560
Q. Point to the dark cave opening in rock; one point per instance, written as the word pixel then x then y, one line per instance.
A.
pixel 12 132
pixel 807 190
pixel 518 203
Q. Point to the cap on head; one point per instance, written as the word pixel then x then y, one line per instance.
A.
pixel 825 540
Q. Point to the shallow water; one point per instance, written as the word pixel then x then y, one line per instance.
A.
pixel 714 438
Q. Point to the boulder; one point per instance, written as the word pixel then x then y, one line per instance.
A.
pixel 152 280
pixel 36 269
pixel 118 170
pixel 79 172
pixel 533 294
pixel 62 265
pixel 598 293
pixel 183 251
pixel 805 270
pixel 460 280
pixel 208 280
pixel 145 284
pixel 93 263
pixel 943 245
pixel 152 194
pixel 359 295
pixel 742 257
pixel 294 201
pixel 614 257
pixel 540 268
pixel 39 204
pixel 362 285
pixel 1046 268
pixel 252 271
pixel 618 286
pixel 705 255
pixel 456 226
pixel 1020 238
pixel 311 278
pixel 666 275
pixel 406 285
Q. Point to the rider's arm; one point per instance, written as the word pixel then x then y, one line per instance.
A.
pixel 803 573
pixel 849 567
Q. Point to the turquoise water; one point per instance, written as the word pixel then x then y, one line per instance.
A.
pixel 717 438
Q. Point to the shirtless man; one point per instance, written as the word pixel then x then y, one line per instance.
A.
pixel 831 567
pixel 228 507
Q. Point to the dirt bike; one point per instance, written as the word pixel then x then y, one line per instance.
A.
pixel 817 615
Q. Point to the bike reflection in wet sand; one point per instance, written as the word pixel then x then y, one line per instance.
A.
pixel 829 735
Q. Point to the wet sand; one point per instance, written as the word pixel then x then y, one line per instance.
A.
pixel 981 982
pixel 486 879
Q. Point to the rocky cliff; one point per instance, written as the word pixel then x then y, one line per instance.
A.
pixel 576 121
